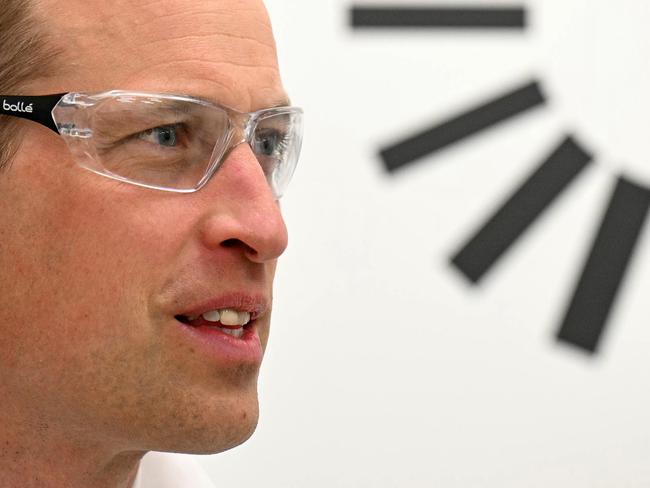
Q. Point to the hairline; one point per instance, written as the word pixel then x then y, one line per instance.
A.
pixel 28 55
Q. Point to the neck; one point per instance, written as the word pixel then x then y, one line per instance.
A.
pixel 35 453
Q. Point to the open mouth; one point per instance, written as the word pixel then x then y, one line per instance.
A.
pixel 227 321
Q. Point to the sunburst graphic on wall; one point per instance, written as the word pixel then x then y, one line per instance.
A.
pixel 598 75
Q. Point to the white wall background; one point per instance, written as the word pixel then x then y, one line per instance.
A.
pixel 385 369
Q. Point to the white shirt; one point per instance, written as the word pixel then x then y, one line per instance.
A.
pixel 164 470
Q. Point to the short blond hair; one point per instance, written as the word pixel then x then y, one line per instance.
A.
pixel 25 55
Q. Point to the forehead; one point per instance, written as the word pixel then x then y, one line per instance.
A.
pixel 222 50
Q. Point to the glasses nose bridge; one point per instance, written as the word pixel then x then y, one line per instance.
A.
pixel 241 129
pixel 241 124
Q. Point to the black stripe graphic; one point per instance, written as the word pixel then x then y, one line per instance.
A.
pixel 462 126
pixel 417 17
pixel 521 210
pixel 606 265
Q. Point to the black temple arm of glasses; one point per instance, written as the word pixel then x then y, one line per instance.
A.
pixel 39 109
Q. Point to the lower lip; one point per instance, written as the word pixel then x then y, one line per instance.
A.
pixel 245 349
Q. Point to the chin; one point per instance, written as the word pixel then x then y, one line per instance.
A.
pixel 222 440
pixel 222 426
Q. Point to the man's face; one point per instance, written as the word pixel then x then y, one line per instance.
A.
pixel 95 271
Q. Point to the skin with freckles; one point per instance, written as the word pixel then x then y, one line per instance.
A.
pixel 92 372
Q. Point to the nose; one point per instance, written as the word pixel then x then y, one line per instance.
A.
pixel 244 215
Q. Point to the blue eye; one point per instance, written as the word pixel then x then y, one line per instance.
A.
pixel 269 142
pixel 166 135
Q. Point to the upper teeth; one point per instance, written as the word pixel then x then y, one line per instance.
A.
pixel 228 316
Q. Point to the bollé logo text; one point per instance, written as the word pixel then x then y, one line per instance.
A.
pixel 19 107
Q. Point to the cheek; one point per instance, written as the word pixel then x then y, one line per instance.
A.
pixel 78 270
pixel 78 262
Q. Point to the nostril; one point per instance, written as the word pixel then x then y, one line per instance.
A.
pixel 230 243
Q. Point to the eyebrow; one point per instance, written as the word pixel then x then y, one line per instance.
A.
pixel 275 103
pixel 282 102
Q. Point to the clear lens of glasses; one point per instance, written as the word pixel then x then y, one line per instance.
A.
pixel 172 142
pixel 276 139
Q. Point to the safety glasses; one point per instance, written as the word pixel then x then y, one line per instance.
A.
pixel 167 142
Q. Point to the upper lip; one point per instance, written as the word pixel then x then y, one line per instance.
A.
pixel 255 304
